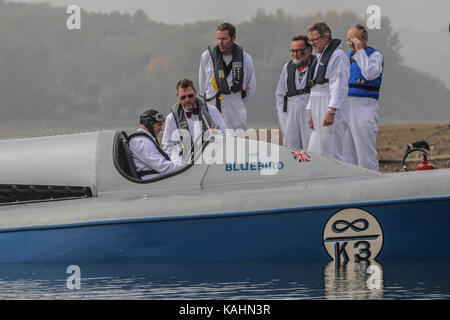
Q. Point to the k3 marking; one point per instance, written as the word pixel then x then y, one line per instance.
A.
pixel 352 233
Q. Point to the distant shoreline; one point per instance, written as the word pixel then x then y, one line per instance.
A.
pixel 392 140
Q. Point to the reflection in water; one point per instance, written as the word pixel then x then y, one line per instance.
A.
pixel 363 280
pixel 262 280
pixel 256 280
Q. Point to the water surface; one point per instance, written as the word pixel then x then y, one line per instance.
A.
pixel 256 280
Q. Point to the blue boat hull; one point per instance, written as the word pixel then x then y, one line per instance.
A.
pixel 412 229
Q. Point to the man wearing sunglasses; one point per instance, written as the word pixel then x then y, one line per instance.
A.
pixel 190 118
pixel 292 94
pixel 149 158
pixel 227 77
pixel 366 70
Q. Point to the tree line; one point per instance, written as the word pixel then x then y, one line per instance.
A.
pixel 117 64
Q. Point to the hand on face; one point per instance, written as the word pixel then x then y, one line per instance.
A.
pixel 355 40
pixel 355 44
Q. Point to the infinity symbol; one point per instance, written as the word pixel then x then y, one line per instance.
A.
pixel 353 225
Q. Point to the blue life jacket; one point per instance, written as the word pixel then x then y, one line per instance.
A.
pixel 358 86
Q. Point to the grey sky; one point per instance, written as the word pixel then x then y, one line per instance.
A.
pixel 423 15
pixel 422 25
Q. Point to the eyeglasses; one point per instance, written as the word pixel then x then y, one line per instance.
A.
pixel 190 96
pixel 313 40
pixel 302 51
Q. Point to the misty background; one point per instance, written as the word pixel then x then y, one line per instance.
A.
pixel 129 55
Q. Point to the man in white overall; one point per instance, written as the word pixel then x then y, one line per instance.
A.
pixel 149 158
pixel 292 94
pixel 192 114
pixel 328 101
pixel 227 77
pixel 366 71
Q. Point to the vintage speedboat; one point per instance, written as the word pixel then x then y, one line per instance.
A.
pixel 76 198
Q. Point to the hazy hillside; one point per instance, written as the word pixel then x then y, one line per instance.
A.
pixel 105 73
pixel 427 51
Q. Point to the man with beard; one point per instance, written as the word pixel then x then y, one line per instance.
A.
pixel 328 101
pixel 227 78
pixel 149 159
pixel 292 94
pixel 366 70
pixel 189 119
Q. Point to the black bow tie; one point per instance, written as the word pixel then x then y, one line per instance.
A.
pixel 189 114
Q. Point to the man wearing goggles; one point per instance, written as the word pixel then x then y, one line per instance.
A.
pixel 149 158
